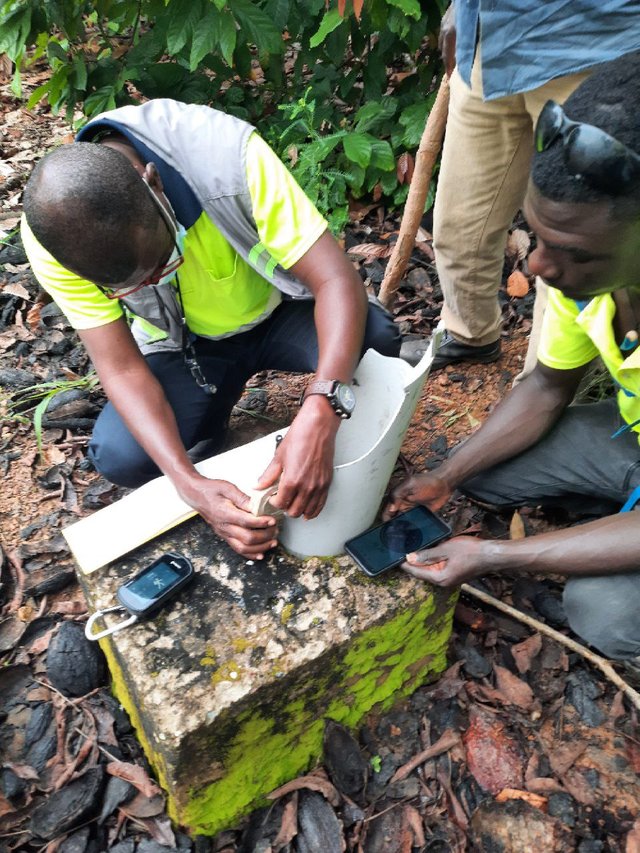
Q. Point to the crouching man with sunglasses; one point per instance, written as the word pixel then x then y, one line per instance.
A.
pixel 188 259
pixel 536 448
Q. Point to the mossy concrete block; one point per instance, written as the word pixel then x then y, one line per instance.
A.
pixel 228 686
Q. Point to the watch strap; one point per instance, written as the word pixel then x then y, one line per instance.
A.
pixel 325 387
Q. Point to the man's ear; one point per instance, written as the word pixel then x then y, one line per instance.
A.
pixel 152 177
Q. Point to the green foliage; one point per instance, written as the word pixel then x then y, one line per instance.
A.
pixel 355 93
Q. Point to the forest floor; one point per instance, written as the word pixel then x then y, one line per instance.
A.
pixel 520 745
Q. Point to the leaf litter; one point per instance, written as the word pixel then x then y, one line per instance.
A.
pixel 517 746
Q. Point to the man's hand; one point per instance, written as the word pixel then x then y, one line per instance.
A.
pixel 225 508
pixel 449 563
pixel 304 460
pixel 427 489
pixel 447 39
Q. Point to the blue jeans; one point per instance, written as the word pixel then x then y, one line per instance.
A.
pixel 286 341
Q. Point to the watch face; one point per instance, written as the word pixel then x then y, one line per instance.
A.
pixel 346 398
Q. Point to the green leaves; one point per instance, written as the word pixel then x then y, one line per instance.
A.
pixel 36 398
pixel 15 24
pixel 358 147
pixel 228 37
pixel 330 22
pixel 257 26
pixel 367 80
pixel 409 7
pixel 206 37
pixel 184 15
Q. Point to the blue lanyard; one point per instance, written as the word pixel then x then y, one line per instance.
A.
pixel 632 500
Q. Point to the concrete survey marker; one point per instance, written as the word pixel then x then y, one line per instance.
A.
pixel 228 686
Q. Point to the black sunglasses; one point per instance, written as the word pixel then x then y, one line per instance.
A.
pixel 589 152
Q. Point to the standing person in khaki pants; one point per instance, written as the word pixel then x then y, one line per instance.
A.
pixel 505 60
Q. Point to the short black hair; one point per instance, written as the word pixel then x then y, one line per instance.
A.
pixel 83 202
pixel 609 99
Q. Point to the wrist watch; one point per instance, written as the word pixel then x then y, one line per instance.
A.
pixel 340 395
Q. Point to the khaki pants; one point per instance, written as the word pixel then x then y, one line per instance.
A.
pixel 483 178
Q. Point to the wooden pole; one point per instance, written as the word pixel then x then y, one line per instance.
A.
pixel 428 151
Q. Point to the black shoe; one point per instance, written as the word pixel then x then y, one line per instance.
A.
pixel 452 351
pixel 413 348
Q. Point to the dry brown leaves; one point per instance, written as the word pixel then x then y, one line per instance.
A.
pixel 518 244
pixel 494 757
pixel 405 168
pixel 524 652
pixel 516 528
pixel 318 783
pixel 517 284
pixel 370 251
pixel 134 774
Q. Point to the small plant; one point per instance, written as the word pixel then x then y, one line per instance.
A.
pixel 37 398
pixel 354 158
pixel 376 763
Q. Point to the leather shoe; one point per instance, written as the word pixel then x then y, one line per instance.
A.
pixel 452 351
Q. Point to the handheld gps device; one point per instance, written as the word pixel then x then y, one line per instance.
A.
pixel 146 593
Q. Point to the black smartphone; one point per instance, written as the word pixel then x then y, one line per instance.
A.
pixel 147 591
pixel 384 547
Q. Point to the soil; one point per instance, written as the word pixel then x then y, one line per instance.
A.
pixel 527 746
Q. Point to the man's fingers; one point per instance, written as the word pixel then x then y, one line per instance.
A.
pixel 232 516
pixel 284 497
pixel 252 552
pixel 307 501
pixel 235 497
pixel 392 508
pixel 398 503
pixel 270 475
pixel 424 574
pixel 252 538
pixel 315 506
pixel 422 558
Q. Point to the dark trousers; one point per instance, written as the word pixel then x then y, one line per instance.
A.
pixel 579 465
pixel 286 341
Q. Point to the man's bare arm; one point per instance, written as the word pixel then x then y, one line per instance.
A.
pixel 518 422
pixel 141 403
pixel 304 461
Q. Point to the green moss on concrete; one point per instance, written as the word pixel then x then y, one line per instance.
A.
pixel 270 743
pixel 210 658
pixel 229 671
pixel 287 612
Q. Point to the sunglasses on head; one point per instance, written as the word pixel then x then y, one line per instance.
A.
pixel 589 152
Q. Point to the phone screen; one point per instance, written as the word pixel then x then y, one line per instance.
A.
pixel 386 545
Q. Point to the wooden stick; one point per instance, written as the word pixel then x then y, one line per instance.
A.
pixel 15 566
pixel 444 744
pixel 602 663
pixel 428 151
